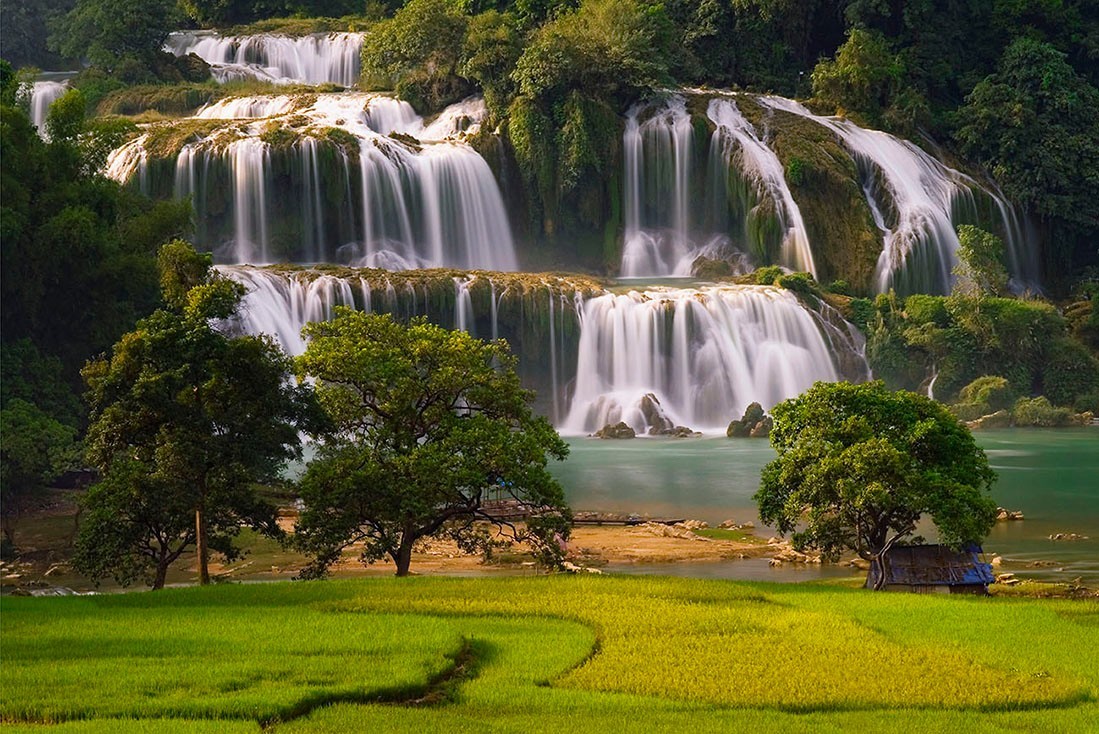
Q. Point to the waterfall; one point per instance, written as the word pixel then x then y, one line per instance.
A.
pixel 677 211
pixel 913 198
pixel 463 305
pixel 735 136
pixel 704 355
pixel 44 93
pixel 657 156
pixel 312 178
pixel 314 59
pixel 249 160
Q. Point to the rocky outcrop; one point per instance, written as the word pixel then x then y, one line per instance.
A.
pixel 1006 515
pixel 617 430
pixel 654 415
pixel 754 424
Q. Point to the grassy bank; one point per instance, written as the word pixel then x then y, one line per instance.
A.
pixel 546 654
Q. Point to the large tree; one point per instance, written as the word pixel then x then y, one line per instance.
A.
pixel 186 421
pixel 859 465
pixel 428 425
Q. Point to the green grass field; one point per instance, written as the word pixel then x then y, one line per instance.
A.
pixel 545 654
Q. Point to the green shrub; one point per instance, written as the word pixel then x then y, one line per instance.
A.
pixel 768 275
pixel 1069 372
pixel 921 309
pixel 1088 402
pixel 1038 412
pixel 839 287
pixel 991 391
pixel 796 171
pixel 802 283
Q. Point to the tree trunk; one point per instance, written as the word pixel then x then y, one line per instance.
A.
pixel 200 548
pixel 403 557
pixel 161 573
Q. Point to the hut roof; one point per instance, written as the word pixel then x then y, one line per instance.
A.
pixel 921 565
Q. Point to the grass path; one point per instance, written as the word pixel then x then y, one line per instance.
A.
pixel 549 654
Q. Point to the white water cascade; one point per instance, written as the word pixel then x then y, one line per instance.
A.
pixel 44 93
pixel 314 59
pixel 736 138
pixel 657 156
pixel 359 197
pixel 914 199
pixel 677 210
pixel 705 355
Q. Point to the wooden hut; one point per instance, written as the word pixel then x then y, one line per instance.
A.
pixel 933 569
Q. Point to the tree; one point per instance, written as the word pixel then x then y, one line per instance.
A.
pixel 111 32
pixel 36 449
pixel 420 49
pixel 428 425
pixel 980 270
pixel 859 465
pixel 186 421
pixel 1033 124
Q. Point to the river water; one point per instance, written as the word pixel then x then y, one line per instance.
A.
pixel 1052 476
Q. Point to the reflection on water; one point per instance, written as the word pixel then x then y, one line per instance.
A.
pixel 1052 476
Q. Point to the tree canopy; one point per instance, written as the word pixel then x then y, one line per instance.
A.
pixel 859 465
pixel 185 421
pixel 427 426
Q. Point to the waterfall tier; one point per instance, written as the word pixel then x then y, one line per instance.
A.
pixel 592 354
pixel 319 58
pixel 44 93
pixel 702 355
pixel 351 178
pixel 715 186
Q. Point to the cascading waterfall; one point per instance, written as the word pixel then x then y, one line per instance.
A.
pixel 676 211
pixel 914 199
pixel 314 59
pixel 317 178
pixel 657 156
pixel 736 137
pixel 704 355
pixel 44 93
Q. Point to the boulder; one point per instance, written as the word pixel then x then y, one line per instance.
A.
pixel 754 423
pixel 654 415
pixel 617 430
pixel 763 428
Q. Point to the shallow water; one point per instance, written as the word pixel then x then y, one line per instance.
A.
pixel 1052 476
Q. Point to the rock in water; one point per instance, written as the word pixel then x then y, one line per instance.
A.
pixel 754 424
pixel 654 415
pixel 618 430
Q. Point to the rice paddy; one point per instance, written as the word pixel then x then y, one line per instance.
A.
pixel 546 654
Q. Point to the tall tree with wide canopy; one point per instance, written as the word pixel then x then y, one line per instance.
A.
pixel 429 424
pixel 185 421
pixel 859 465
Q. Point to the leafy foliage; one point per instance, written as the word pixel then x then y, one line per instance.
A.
pixel 36 449
pixel 1033 124
pixel 420 50
pixel 428 425
pixel 858 465
pixel 185 422
pixel 980 270
pixel 112 33
pixel 65 229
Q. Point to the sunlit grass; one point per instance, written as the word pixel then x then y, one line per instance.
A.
pixel 564 654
